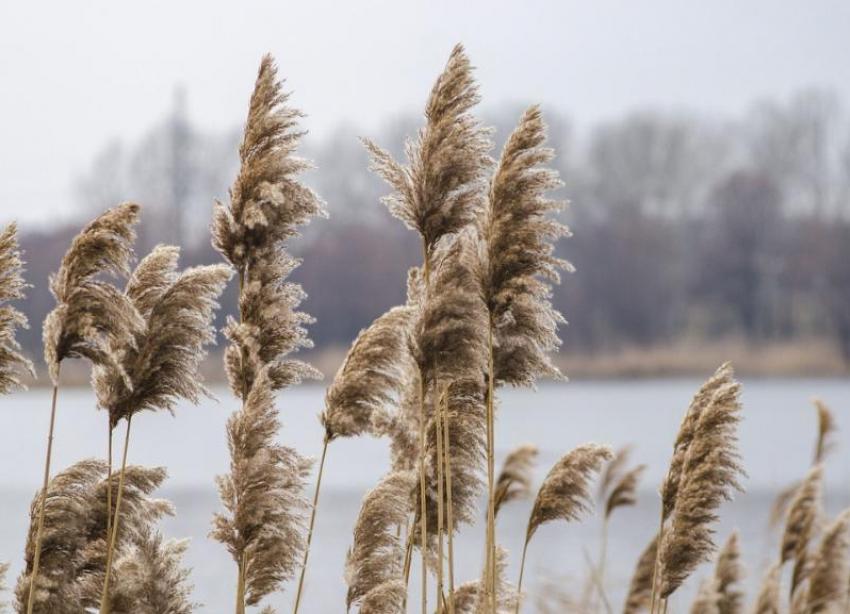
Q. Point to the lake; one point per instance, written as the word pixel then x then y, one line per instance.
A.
pixel 776 440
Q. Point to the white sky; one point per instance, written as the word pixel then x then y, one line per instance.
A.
pixel 74 75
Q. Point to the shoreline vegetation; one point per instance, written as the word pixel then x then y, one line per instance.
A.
pixel 810 358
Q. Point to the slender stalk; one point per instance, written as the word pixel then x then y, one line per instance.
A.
pixel 41 509
pixel 239 601
pixel 603 554
pixel 491 509
pixel 110 553
pixel 440 460
pixel 449 515
pixel 408 557
pixel 597 582
pixel 521 572
pixel 109 479
pixel 312 523
pixel 654 598
pixel 423 521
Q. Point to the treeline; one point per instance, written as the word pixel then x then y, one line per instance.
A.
pixel 685 226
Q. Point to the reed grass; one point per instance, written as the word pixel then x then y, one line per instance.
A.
pixel 425 375
pixel 265 526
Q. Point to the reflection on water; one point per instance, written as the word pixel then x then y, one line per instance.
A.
pixel 776 440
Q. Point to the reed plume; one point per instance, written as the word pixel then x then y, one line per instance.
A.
pixel 565 493
pixel 830 571
pixel 472 597
pixel 13 364
pixel 514 482
pixel 709 474
pixel 265 528
pixel 826 432
pixel 371 568
pixel 624 491
pixel 728 576
pixel 706 599
pixel 373 376
pixel 801 523
pixel 4 569
pixel 150 578
pixel 91 315
pixel 824 444
pixel 687 431
pixel 767 600
pixel 161 364
pixel 438 192
pixel 75 539
pixel 640 588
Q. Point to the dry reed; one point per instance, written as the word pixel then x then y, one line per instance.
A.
pixel 516 268
pixel 639 595
pixel 514 481
pixel 265 528
pixel 439 194
pixel 13 364
pixel 830 571
pixel 767 600
pixel 801 523
pixel 729 576
pixel 565 493
pixel 709 474
pixel 91 315
pixel 707 598
pixel 74 542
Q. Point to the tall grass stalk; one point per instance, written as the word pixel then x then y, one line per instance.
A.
pixel 113 536
pixel 43 502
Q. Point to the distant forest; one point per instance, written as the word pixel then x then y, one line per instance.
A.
pixel 685 227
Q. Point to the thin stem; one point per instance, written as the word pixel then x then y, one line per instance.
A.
pixel 241 584
pixel 423 520
pixel 408 557
pixel 521 573
pixel 43 504
pixel 109 479
pixel 655 578
pixel 312 523
pixel 104 600
pixel 603 554
pixel 449 515
pixel 439 434
pixel 597 582
pixel 491 508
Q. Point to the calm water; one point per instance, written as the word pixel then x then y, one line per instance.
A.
pixel 776 440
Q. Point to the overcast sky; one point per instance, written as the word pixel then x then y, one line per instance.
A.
pixel 74 75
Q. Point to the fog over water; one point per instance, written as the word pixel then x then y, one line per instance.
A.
pixel 777 438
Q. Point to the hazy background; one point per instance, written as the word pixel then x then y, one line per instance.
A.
pixel 705 148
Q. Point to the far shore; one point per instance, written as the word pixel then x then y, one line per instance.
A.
pixel 682 359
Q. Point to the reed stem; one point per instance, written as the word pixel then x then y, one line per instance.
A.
pixel 654 598
pixel 110 553
pixel 521 573
pixel 603 555
pixel 449 514
pixel 109 479
pixel 491 510
pixel 439 435
pixel 423 521
pixel 43 504
pixel 312 524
